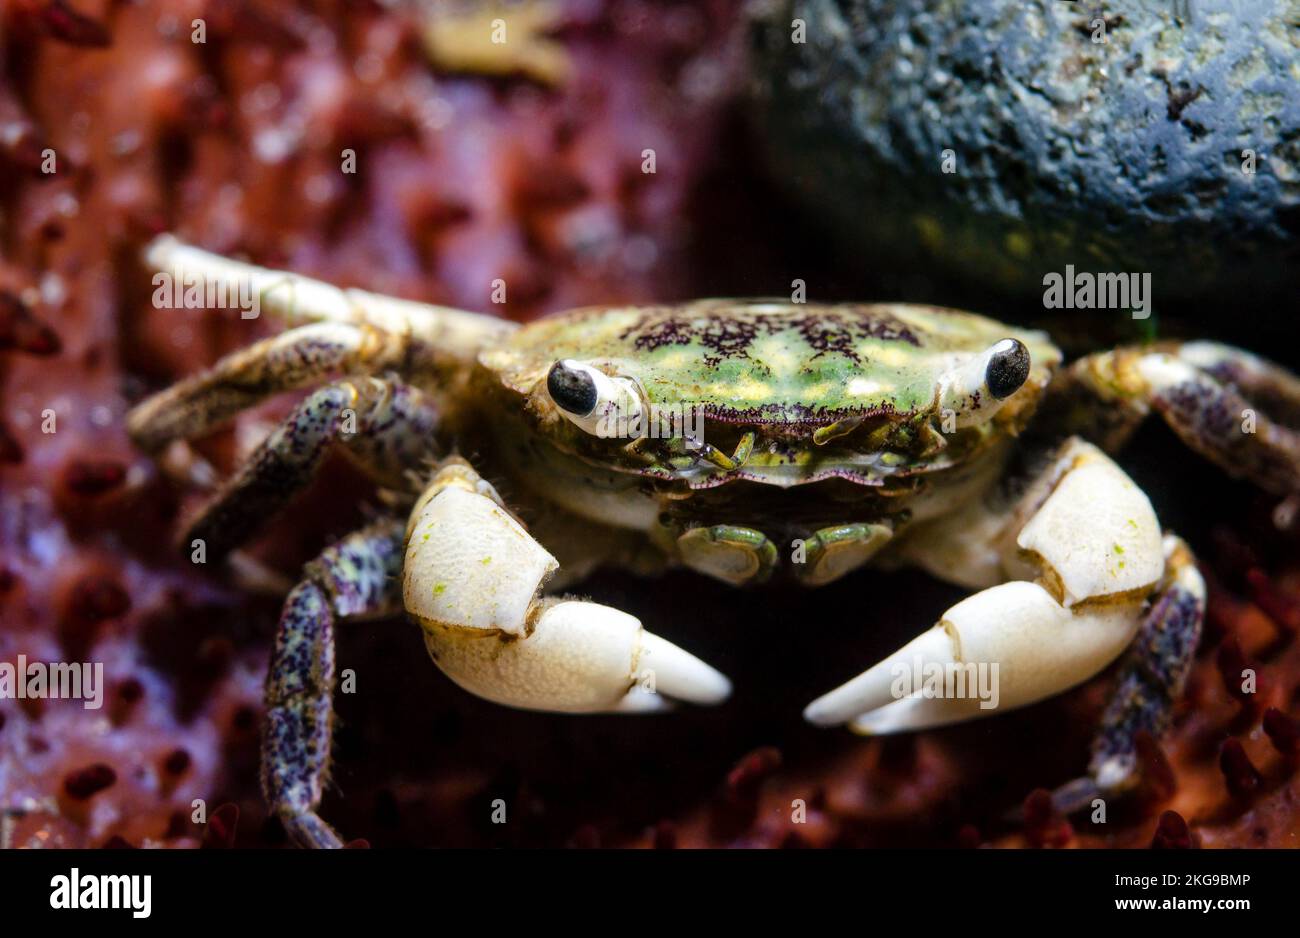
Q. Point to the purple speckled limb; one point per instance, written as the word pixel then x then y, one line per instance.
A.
pixel 1234 408
pixel 387 425
pixel 293 359
pixel 1148 685
pixel 358 576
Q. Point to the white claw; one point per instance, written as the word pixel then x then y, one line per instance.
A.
pixel 906 716
pixel 468 563
pixel 579 658
pixel 1097 534
pixel 680 674
pixel 471 578
pixel 874 687
pixel 1098 550
pixel 1003 648
pixel 639 700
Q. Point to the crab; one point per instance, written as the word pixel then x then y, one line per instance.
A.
pixel 743 439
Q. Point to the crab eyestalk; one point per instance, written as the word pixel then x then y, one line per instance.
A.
pixel 976 389
pixel 597 403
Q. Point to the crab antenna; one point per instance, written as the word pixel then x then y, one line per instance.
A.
pixel 976 389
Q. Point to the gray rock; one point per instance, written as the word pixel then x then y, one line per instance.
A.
pixel 1116 156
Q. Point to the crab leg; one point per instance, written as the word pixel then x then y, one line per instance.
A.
pixel 387 426
pixel 284 362
pixel 358 576
pixel 336 331
pixel 1258 378
pixel 1215 397
pixel 1150 680
pixel 1091 543
pixel 472 578
pixel 439 336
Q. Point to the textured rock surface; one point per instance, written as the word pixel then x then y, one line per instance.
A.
pixel 1122 156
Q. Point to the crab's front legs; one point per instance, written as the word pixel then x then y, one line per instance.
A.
pixel 1084 553
pixel 472 579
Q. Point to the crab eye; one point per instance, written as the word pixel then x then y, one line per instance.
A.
pixel 1007 369
pixel 977 385
pixel 601 404
pixel 572 387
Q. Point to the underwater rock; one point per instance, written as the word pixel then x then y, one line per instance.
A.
pixel 1000 140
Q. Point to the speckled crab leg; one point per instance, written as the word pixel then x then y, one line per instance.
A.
pixel 389 427
pixel 1234 408
pixel 1149 683
pixel 337 331
pixel 358 576
pixel 436 337
pixel 284 362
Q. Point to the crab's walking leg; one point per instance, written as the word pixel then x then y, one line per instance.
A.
pixel 473 579
pixel 1234 408
pixel 437 336
pixel 338 331
pixel 290 360
pixel 1083 550
pixel 358 576
pixel 386 425
pixel 1150 680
